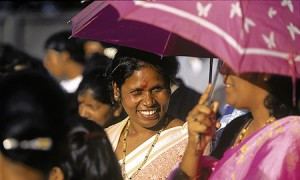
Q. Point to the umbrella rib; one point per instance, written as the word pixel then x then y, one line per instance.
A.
pixel 167 42
pixel 100 5
pixel 82 27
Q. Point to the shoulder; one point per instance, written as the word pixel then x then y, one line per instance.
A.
pixel 290 119
pixel 289 125
pixel 116 126
pixel 174 123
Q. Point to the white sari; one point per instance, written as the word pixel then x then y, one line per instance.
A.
pixel 167 152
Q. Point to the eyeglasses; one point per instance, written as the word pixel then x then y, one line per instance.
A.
pixel 225 69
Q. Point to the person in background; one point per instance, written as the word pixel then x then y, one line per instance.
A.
pixel 149 142
pixel 183 98
pixel 230 113
pixel 13 59
pixel 92 47
pixel 95 56
pixel 64 59
pixel 96 61
pixel 94 100
pixel 33 125
pixel 89 154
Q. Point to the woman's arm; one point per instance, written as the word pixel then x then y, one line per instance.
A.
pixel 202 126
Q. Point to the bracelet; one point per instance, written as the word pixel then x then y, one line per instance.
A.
pixel 180 175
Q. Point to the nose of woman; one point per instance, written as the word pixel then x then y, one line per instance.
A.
pixel 84 112
pixel 148 99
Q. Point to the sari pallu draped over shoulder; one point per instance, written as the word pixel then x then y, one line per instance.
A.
pixel 271 153
pixel 167 152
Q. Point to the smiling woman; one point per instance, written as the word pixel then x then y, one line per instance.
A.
pixel 148 143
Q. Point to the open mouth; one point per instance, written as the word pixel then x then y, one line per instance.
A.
pixel 148 113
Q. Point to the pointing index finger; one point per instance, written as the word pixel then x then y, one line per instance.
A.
pixel 205 95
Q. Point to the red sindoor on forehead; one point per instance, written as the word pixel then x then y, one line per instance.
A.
pixel 145 84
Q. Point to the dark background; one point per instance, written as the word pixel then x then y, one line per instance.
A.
pixel 27 24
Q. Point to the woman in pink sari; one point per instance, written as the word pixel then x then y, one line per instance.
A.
pixel 263 144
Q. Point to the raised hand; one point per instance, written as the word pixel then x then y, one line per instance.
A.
pixel 201 126
pixel 202 121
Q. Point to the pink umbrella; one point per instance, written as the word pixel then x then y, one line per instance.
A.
pixel 250 36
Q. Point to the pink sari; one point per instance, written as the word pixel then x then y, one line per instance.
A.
pixel 271 153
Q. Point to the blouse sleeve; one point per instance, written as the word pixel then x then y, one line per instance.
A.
pixel 208 164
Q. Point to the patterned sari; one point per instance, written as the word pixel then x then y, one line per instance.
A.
pixel 167 152
pixel 271 153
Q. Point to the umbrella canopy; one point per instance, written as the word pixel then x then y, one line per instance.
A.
pixel 250 36
pixel 102 22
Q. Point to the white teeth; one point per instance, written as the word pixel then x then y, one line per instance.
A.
pixel 228 85
pixel 147 113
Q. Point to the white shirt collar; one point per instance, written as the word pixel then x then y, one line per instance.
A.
pixel 71 85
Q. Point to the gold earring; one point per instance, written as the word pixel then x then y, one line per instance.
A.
pixel 117 109
pixel 116 97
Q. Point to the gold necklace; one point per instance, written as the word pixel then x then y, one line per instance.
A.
pixel 147 155
pixel 245 129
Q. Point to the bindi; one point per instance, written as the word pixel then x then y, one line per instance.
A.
pixel 145 84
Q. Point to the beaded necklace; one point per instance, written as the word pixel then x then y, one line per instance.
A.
pixel 147 155
pixel 245 129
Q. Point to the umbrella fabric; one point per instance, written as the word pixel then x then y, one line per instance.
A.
pixel 250 36
pixel 102 22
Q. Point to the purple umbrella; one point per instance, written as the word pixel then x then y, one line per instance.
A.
pixel 102 22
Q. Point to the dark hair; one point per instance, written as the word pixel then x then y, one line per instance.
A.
pixel 33 106
pixel 280 98
pixel 90 154
pixel 127 60
pixel 11 57
pixel 96 61
pixel 94 80
pixel 61 41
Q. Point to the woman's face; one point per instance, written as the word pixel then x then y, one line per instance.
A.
pixel 243 91
pixel 145 96
pixel 92 109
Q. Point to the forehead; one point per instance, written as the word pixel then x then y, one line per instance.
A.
pixel 51 53
pixel 86 93
pixel 144 76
